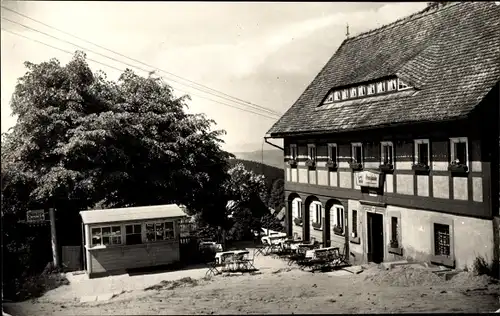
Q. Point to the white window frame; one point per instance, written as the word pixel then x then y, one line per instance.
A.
pixel 361 91
pixel 297 204
pixel 368 89
pixel 159 222
pixel 405 85
pixel 329 99
pixel 392 82
pixel 293 151
pixel 317 206
pixel 353 145
pixel 386 143
pixel 354 92
pixel 381 88
pixel 335 208
pixel 422 141
pixel 337 96
pixel 331 147
pixel 453 142
pixel 345 94
pixel 310 148
pixel 101 244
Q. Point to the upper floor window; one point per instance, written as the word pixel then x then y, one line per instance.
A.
pixel 392 85
pixel 381 87
pixel 371 88
pixel 459 150
pixel 345 94
pixel 402 85
pixel 336 96
pixel 362 91
pixel 329 99
pixel 332 152
pixel 422 152
pixel 354 92
pixel 387 153
pixel 357 152
pixel 293 151
pixel 311 152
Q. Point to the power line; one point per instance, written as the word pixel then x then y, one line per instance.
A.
pixel 121 70
pixel 238 100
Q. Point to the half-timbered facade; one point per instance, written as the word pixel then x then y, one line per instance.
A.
pixel 392 150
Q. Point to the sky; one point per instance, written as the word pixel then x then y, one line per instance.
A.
pixel 265 53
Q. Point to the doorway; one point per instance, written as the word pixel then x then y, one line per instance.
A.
pixel 375 237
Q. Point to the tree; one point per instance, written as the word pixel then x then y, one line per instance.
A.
pixel 277 198
pixel 85 140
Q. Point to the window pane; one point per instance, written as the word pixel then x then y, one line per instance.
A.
pixel 116 240
pixel 357 153
pixel 333 154
pixel 423 157
pixel 116 231
pixel 461 152
pixel 441 240
pixel 129 229
pixel 133 239
pixel 394 228
pixel 169 225
pixel 106 231
pixel 355 221
pixel 105 240
pixel 389 154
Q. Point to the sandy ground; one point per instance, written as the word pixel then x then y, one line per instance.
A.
pixel 275 288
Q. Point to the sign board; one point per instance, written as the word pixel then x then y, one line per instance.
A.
pixel 35 216
pixel 369 179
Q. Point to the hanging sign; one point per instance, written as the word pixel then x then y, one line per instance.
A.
pixel 369 179
pixel 35 216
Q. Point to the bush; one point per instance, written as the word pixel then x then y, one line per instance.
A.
pixel 482 267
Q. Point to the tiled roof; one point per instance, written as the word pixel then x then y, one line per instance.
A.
pixel 450 55
pixel 132 214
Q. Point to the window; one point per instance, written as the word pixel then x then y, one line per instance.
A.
pixel 345 94
pixel 402 85
pixel 133 234
pixel 392 85
pixel 387 153
pixel 394 232
pixel 336 96
pixel 357 152
pixel 329 99
pixel 104 236
pixel 422 152
pixel 354 92
pixel 362 91
pixel 381 87
pixel 297 208
pixel 332 152
pixel 317 213
pixel 293 152
pixel 338 213
pixel 371 88
pixel 160 231
pixel 442 240
pixel 354 227
pixel 459 150
pixel 311 152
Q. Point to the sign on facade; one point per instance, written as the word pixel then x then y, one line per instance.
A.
pixel 369 179
pixel 35 216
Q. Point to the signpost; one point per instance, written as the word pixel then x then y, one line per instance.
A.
pixel 37 217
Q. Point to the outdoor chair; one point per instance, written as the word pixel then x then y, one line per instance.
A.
pixel 213 268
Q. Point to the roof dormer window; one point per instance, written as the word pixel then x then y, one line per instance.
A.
pixel 371 88
pixel 361 91
pixel 381 87
pixel 392 85
pixel 354 92
pixel 336 96
pixel 402 85
pixel 329 99
pixel 345 94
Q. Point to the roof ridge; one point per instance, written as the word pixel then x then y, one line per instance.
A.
pixel 417 15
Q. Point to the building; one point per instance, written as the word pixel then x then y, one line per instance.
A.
pixel 392 150
pixel 116 240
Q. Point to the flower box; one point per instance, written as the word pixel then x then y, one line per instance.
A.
pixel 386 168
pixel 331 164
pixel 419 167
pixel 338 230
pixel 297 221
pixel 458 168
pixel 356 165
pixel 310 163
pixel 316 225
pixel 292 162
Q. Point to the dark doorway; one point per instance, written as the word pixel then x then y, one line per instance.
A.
pixel 375 237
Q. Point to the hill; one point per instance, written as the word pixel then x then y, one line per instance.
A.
pixel 272 157
pixel 270 173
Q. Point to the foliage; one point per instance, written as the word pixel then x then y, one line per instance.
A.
pixel 271 222
pixel 277 198
pixel 482 267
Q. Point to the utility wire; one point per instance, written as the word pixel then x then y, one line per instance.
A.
pixel 238 100
pixel 121 70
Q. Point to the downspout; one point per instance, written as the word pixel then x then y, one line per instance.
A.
pixel 267 142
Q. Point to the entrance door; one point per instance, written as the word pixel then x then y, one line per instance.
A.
pixel 375 237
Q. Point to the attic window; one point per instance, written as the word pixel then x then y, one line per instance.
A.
pixel 392 85
pixel 345 94
pixel 336 96
pixel 381 87
pixel 329 99
pixel 354 92
pixel 402 85
pixel 362 91
pixel 371 88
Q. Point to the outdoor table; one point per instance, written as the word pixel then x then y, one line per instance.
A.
pixel 313 252
pixel 220 255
